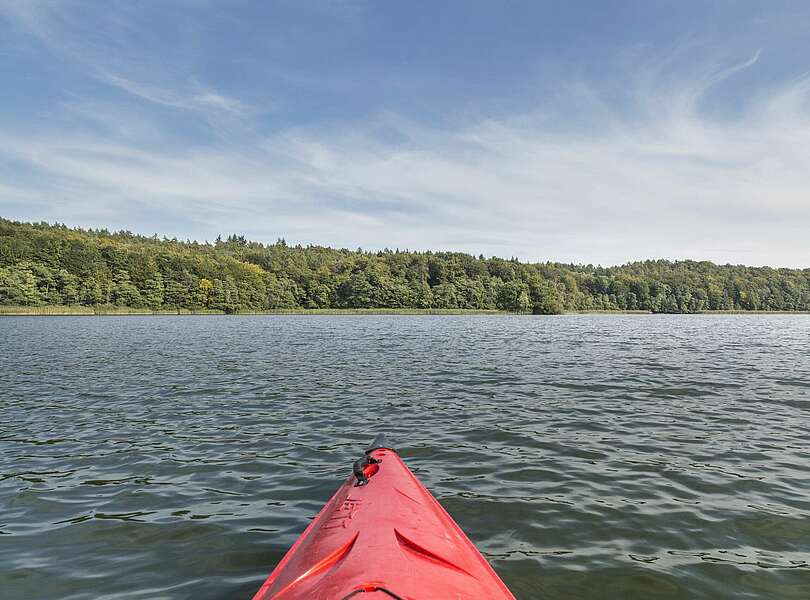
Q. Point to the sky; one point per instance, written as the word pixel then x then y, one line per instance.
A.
pixel 586 132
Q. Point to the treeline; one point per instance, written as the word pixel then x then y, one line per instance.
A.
pixel 43 264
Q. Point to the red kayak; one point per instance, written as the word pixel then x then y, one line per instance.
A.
pixel 382 535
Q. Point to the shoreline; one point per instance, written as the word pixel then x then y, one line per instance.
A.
pixel 90 311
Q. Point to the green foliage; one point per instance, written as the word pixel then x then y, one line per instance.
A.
pixel 18 286
pixel 125 293
pixel 42 264
pixel 544 296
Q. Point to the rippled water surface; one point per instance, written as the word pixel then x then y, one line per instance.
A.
pixel 588 457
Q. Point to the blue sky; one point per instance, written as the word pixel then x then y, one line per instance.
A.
pixel 596 132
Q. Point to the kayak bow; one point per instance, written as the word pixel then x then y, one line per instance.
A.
pixel 383 535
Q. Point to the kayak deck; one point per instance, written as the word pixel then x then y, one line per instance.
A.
pixel 385 538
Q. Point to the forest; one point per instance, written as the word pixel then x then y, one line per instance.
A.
pixel 45 264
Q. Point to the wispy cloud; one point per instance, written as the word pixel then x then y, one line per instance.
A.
pixel 676 185
pixel 588 176
pixel 191 96
pixel 110 60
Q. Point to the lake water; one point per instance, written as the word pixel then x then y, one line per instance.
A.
pixel 588 457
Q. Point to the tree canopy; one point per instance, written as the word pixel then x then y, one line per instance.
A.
pixel 44 264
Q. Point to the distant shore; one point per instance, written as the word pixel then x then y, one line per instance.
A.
pixel 108 310
pixel 124 310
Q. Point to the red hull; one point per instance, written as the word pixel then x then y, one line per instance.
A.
pixel 387 539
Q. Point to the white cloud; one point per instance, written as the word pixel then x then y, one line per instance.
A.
pixel 677 185
pixel 657 177
pixel 111 60
pixel 192 96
